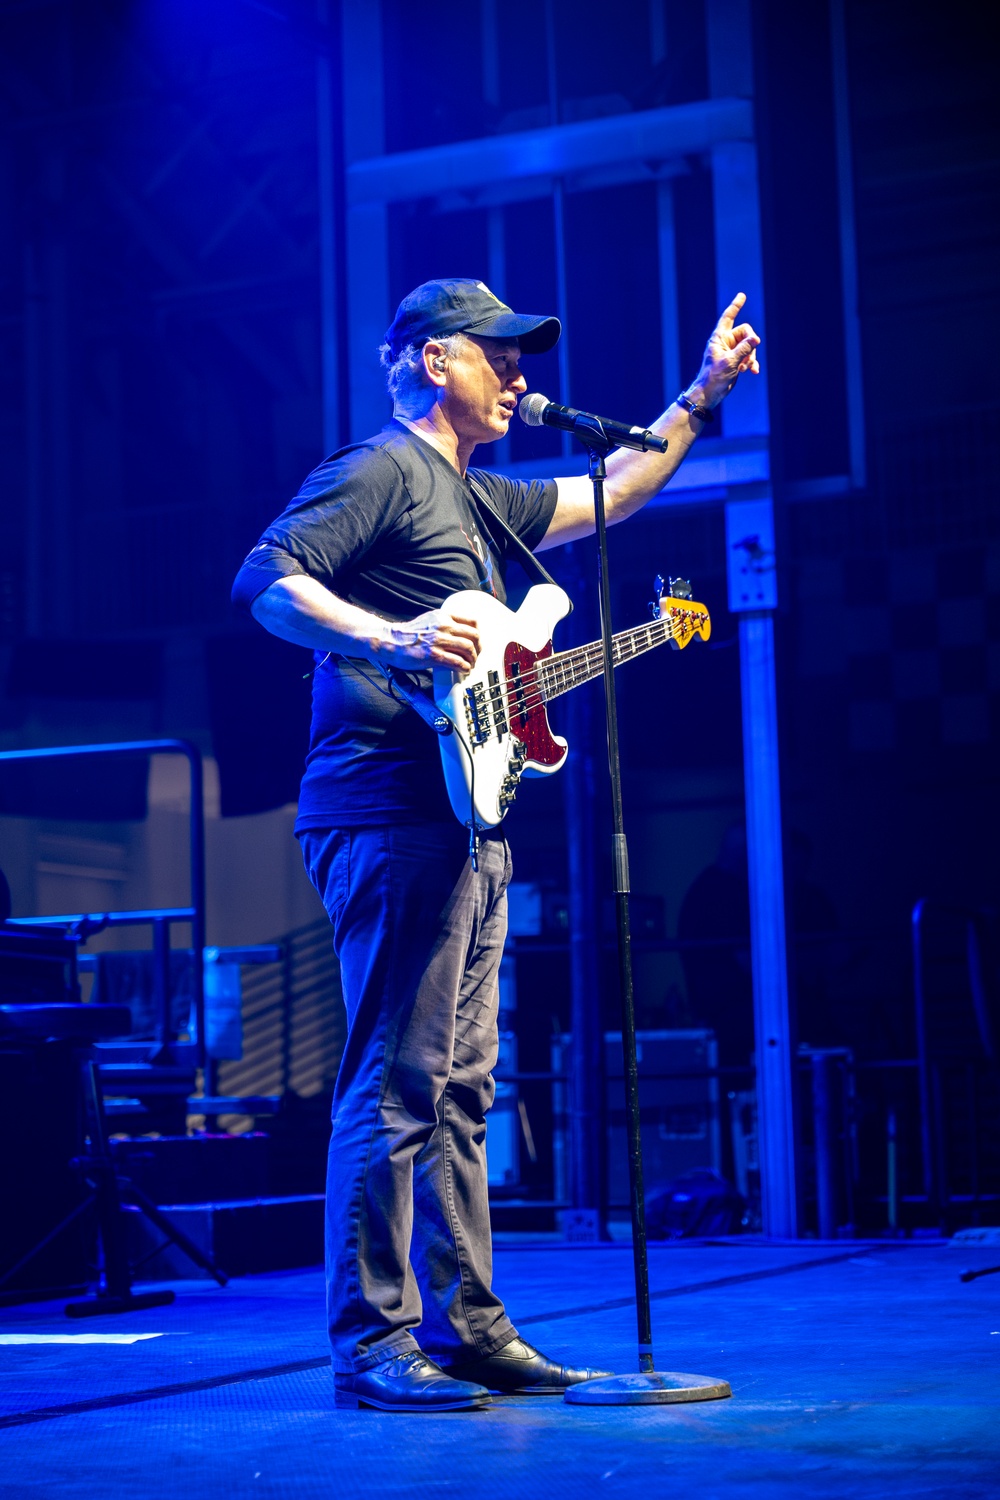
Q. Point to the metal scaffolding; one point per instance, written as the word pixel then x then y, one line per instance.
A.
pixel 644 146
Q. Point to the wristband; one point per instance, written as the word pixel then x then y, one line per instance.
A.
pixel 701 412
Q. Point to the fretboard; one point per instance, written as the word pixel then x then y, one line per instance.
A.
pixel 557 674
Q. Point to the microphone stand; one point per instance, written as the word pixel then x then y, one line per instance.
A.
pixel 649 1386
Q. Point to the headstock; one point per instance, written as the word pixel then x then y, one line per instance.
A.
pixel 687 619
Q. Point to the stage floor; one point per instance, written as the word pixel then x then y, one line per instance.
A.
pixel 855 1371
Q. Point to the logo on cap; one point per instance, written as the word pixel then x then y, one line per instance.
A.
pixel 484 288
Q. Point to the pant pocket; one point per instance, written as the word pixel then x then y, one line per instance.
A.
pixel 327 858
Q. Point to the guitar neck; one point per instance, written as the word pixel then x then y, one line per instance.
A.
pixel 571 668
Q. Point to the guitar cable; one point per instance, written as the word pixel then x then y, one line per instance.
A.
pixel 475 838
pixel 423 704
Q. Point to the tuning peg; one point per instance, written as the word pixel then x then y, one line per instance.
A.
pixel 680 588
pixel 654 604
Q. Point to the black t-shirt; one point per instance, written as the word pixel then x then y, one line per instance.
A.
pixel 391 526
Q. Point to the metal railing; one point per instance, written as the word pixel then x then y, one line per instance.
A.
pixel 82 925
pixel 293 1019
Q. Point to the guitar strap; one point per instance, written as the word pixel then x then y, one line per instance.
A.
pixel 524 555
pixel 401 684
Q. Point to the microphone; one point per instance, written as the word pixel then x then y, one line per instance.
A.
pixel 537 411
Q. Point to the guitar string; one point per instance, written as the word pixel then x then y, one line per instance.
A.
pixel 586 663
pixel 570 668
pixel 590 660
pixel 668 626
pixel 628 644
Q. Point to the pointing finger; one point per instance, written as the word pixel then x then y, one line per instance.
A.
pixel 729 316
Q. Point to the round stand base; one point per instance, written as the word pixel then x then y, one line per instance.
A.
pixel 658 1388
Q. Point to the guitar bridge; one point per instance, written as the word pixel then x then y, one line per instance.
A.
pixel 476 714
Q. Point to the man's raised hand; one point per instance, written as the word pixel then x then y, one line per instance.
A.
pixel 730 351
pixel 435 638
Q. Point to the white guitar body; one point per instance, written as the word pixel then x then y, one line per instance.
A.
pixel 501 729
pixel 500 724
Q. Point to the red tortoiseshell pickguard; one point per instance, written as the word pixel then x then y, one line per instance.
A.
pixel 528 718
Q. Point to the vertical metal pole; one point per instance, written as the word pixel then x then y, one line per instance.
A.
pixel 558 226
pixel 50 578
pixel 117 1276
pixel 927 1129
pixel 496 274
pixel 941 1175
pixel 826 1209
pixel 368 300
pixel 326 187
pixel 772 1026
pixel 496 240
pixel 58 510
pixel 853 366
pixel 739 262
pixel 752 585
pixel 562 348
pixel 753 594
pixel 586 1088
pixel 892 1190
pixel 198 921
pixel 161 980
pixel 34 442
pixel 587 1055
pixel 666 237
pixel 670 350
pixel 640 1260
pixel 972 1130
pixel 496 254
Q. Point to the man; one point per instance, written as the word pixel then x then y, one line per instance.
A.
pixel 358 568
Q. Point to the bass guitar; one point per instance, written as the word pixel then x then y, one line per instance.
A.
pixel 499 710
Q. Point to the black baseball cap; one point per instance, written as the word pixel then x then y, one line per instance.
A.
pixel 461 305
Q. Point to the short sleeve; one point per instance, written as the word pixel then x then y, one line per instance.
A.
pixel 527 507
pixel 345 507
pixel 264 566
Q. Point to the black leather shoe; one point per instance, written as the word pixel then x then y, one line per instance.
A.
pixel 408 1382
pixel 518 1369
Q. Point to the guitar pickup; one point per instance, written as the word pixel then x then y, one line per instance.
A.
pixel 497 704
pixel 517 696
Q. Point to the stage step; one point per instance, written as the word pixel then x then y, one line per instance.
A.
pixel 202 1168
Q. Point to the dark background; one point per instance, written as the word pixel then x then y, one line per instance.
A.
pixel 160 402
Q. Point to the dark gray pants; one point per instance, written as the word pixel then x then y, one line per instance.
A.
pixel 419 936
